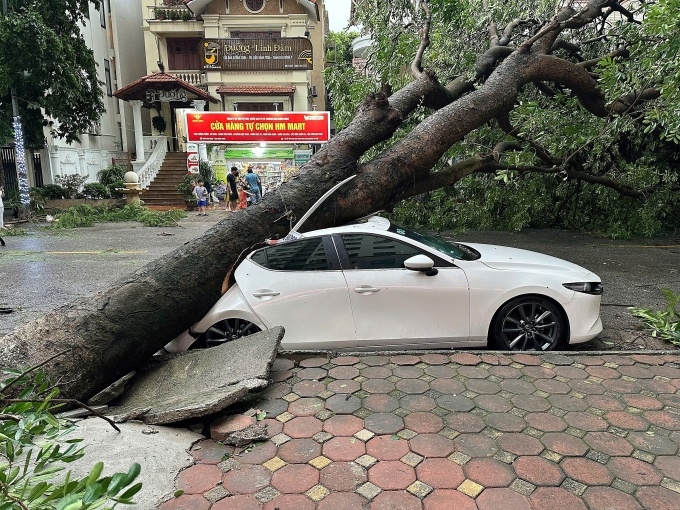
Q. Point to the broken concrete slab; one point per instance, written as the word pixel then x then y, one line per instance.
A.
pixel 200 382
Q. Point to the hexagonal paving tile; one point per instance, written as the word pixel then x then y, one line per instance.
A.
pixel 538 471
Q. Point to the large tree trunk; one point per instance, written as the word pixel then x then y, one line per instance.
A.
pixel 112 332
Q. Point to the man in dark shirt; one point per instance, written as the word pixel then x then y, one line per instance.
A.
pixel 233 192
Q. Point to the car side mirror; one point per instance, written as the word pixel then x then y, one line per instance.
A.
pixel 421 263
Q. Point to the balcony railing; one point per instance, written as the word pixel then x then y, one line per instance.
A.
pixel 172 10
pixel 195 78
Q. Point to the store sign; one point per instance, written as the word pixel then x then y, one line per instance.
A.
pixel 301 157
pixel 254 127
pixel 165 96
pixel 279 54
pixel 192 158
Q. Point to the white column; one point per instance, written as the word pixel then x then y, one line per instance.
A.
pixel 54 163
pixel 139 135
pixel 199 105
pixel 82 166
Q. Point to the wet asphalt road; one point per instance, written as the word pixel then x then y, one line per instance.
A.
pixel 43 270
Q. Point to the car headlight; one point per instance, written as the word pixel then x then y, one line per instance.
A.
pixel 585 287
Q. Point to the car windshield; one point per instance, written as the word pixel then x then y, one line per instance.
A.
pixel 454 250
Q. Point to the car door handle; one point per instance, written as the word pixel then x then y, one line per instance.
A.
pixel 265 293
pixel 365 289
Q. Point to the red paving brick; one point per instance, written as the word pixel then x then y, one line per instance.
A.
pixel 634 471
pixel 440 473
pixel 546 422
pixel 555 498
pixel 608 443
pixel 642 402
pixel 290 502
pixel 295 478
pixel 239 502
pixel 344 386
pixel 663 419
pixel 381 403
pixel 506 422
pixel 246 480
pixel 342 501
pixel 658 498
pixel 210 452
pixel 449 500
pixel 417 403
pixel 424 423
pixel 306 406
pixel 669 466
pixel 608 498
pixel 405 359
pixel 464 422
pixel 520 444
pixel 186 502
pixel 309 388
pixel 387 448
pixel 259 453
pixel 539 471
pixel 343 373
pixel 627 421
pixel 391 475
pixel 431 445
pixel 343 425
pixel 344 448
pixel 199 478
pixel 564 444
pixel 489 472
pixel 396 500
pixel 299 451
pixel 505 499
pixel 464 358
pixel 586 471
pixel 304 426
pixel 343 476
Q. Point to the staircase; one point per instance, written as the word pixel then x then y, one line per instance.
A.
pixel 162 191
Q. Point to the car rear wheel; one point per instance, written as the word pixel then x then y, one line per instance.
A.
pixel 529 323
pixel 227 330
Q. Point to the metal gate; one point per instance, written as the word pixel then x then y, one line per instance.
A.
pixel 9 167
pixel 37 170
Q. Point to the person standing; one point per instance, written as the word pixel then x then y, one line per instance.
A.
pixel 232 190
pixel 253 181
pixel 201 195
pixel 2 213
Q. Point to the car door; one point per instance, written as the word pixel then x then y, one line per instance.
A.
pixel 395 306
pixel 299 285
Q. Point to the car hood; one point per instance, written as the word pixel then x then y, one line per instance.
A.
pixel 514 259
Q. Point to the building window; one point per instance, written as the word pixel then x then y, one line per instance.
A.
pixel 107 77
pixel 254 5
pixel 102 15
pixel 183 54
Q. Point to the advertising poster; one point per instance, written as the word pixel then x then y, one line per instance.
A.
pixel 255 127
pixel 192 158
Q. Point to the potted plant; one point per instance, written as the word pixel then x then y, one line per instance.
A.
pixel 186 188
pixel 158 123
pixel 160 14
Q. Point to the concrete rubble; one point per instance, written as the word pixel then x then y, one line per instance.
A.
pixel 199 382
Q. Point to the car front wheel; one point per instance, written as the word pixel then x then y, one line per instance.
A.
pixel 529 323
pixel 226 330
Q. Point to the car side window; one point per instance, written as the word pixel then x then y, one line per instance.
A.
pixel 300 255
pixel 375 252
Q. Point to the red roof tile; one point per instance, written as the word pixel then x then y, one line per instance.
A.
pixel 137 89
pixel 255 89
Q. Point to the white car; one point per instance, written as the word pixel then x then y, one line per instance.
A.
pixel 372 285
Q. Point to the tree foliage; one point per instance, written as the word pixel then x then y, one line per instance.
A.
pixel 555 162
pixel 45 60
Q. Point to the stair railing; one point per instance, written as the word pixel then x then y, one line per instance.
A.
pixel 147 173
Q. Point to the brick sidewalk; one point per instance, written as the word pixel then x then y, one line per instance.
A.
pixel 462 431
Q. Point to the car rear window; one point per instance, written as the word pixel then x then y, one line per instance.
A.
pixel 300 255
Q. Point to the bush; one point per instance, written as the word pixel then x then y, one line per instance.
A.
pixel 94 190
pixel 86 216
pixel 112 174
pixel 34 453
pixel 51 191
pixel 71 183
pixel 114 188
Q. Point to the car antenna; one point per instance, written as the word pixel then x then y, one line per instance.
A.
pixel 295 230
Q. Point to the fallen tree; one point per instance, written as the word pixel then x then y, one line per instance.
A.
pixel 112 332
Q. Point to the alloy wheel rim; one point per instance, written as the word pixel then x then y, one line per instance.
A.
pixel 530 326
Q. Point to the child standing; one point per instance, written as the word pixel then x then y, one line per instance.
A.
pixel 201 194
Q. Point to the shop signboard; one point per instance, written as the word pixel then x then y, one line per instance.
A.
pixel 301 157
pixel 256 127
pixel 192 158
pixel 241 54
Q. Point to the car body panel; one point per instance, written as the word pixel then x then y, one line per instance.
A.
pixel 313 306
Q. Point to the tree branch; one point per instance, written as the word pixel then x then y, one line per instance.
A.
pixel 63 401
pixel 416 65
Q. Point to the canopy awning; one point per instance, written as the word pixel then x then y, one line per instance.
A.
pixel 260 90
pixel 148 88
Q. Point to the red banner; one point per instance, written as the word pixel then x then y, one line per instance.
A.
pixel 253 127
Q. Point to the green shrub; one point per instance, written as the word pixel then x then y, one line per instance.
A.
pixel 112 174
pixel 114 189
pixel 71 183
pixel 86 216
pixel 52 191
pixel 33 452
pixel 94 190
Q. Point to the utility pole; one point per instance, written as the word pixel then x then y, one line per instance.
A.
pixel 22 173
